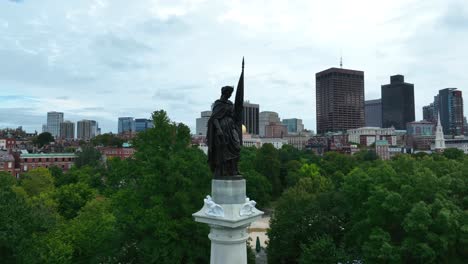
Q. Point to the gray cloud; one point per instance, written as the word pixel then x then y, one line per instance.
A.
pixel 21 116
pixel 101 60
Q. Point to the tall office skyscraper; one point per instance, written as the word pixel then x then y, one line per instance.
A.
pixel 293 125
pixel 250 118
pixel 67 130
pixel 202 123
pixel 141 124
pixel 450 106
pixel 373 110
pixel 340 100
pixel 53 123
pixel 126 124
pixel 397 103
pixel 87 129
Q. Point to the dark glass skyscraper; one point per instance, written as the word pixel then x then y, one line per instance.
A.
pixel 251 118
pixel 429 113
pixel 373 109
pixel 339 100
pixel 126 124
pixel 142 124
pixel 450 107
pixel 397 103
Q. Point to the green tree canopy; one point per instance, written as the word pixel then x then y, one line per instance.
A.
pixel 43 139
pixel 89 156
pixel 37 180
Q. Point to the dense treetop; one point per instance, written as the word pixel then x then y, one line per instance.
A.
pixel 330 209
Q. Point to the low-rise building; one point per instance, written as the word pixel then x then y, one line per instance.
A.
pixel 121 153
pixel 276 142
pixel 7 143
pixel 420 134
pixel 382 149
pixel 45 160
pixel 7 162
pixel 298 141
pixel 458 143
pixel 367 136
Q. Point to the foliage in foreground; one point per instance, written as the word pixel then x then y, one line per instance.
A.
pixel 131 211
pixel 407 210
pixel 329 209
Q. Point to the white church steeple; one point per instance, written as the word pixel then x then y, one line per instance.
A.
pixel 439 139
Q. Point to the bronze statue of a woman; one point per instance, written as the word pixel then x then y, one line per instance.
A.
pixel 224 135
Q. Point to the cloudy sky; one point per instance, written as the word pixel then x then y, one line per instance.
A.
pixel 101 59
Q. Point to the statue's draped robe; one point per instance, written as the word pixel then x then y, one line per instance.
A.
pixel 224 152
pixel 223 149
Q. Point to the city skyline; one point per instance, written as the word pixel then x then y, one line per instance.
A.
pixel 104 59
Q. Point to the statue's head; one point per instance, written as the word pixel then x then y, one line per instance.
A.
pixel 226 91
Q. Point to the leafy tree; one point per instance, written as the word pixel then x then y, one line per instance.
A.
pixel 43 139
pixel 268 164
pixel 14 221
pixel 258 188
pixel 107 140
pixel 366 155
pixel 299 216
pixel 250 254
pixel 153 210
pixel 321 250
pixel 37 181
pixel 72 197
pixel 453 153
pixel 89 156
pixel 405 210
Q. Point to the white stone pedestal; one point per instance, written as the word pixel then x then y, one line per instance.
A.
pixel 228 214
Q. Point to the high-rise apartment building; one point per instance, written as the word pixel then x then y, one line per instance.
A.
pixel 450 107
pixel 53 123
pixel 267 118
pixel 202 123
pixel 142 124
pixel 86 129
pixel 126 124
pixel 373 112
pixel 397 103
pixel 339 100
pixel 294 125
pixel 251 117
pixel 67 130
pixel 429 113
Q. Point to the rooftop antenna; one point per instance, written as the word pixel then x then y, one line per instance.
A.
pixel 341 60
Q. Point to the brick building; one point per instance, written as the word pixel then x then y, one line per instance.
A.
pixel 7 143
pixel 7 162
pixel 41 160
pixel 112 152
